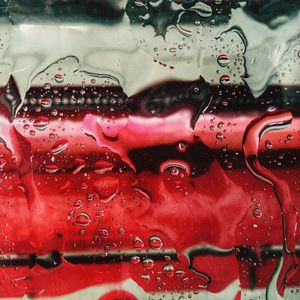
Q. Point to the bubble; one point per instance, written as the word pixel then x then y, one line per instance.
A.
pixel 155 242
pixel 83 219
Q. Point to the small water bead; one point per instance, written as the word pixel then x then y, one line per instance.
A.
pixel 225 80
pixel 83 219
pixel 174 171
pixel 45 103
pixel 135 259
pixel 121 230
pixel 59 147
pixel 257 213
pixel 155 242
pixel 268 145
pixel 179 273
pixel 220 136
pixel 106 188
pixel 58 78
pixel 168 270
pixel 41 123
pixel 181 147
pixel 77 203
pixel 148 263
pixel 47 86
pixel 221 125
pixel 138 243
pixel 90 196
pixel 103 232
pixel 2 163
pixel 223 60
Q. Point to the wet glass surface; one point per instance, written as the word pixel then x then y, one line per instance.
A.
pixel 149 149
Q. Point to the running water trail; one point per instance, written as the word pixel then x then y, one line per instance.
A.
pixel 21 148
pixel 275 120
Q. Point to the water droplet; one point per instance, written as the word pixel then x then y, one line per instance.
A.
pixel 145 277
pixel 103 232
pixel 51 169
pixel 225 80
pixel 138 243
pixel 257 213
pixel 106 188
pixel 47 86
pixel 155 242
pixel 174 171
pixel 220 136
pixel 83 219
pixel 179 273
pixel 103 166
pixel 268 145
pixel 59 147
pixel 2 163
pixel 290 137
pixel 135 259
pixel 90 196
pixel 77 203
pixel 41 123
pixel 223 60
pixel 173 166
pixel 221 125
pixel 121 230
pixel 181 147
pixel 148 263
pixel 168 270
pixel 58 78
pixel 45 103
